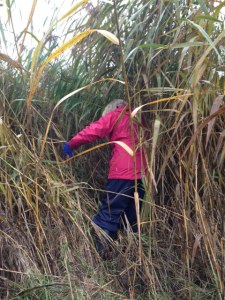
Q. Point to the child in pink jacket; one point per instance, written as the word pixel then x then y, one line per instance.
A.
pixel 118 199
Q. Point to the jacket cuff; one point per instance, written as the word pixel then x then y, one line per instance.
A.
pixel 71 144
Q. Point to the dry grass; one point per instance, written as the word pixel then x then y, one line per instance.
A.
pixel 172 60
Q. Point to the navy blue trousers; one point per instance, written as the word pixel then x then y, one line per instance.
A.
pixel 117 201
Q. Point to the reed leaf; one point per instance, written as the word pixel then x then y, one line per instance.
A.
pixel 70 12
pixel 202 125
pixel 11 62
pixel 206 36
pixel 203 6
pixel 216 105
pixel 62 49
pixel 61 101
pixel 179 97
pixel 218 146
pixel 174 76
pixel 28 23
pixel 209 49
pixel 122 144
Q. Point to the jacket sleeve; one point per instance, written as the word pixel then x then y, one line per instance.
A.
pixel 94 131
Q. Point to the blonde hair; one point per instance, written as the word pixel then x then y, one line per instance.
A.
pixel 113 105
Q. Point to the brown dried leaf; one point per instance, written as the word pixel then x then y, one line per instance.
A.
pixel 220 111
pixel 216 104
pixel 219 144
pixel 10 61
pixel 195 247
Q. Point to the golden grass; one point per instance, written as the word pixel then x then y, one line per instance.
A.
pixel 172 74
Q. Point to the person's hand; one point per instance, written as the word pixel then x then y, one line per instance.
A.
pixel 67 151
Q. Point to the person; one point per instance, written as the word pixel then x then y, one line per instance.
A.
pixel 117 203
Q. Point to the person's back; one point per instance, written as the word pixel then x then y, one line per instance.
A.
pixel 122 163
pixel 118 199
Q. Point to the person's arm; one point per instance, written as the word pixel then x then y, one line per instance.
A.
pixel 94 131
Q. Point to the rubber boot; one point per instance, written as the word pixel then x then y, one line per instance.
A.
pixel 102 244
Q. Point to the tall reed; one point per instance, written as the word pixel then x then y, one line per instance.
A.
pixel 173 58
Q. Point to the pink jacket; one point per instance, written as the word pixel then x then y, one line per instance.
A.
pixel 116 128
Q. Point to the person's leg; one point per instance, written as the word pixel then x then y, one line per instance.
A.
pixel 130 210
pixel 116 199
pixel 114 202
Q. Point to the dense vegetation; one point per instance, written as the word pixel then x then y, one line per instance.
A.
pixel 170 60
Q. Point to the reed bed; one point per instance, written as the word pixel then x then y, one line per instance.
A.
pixel 167 59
